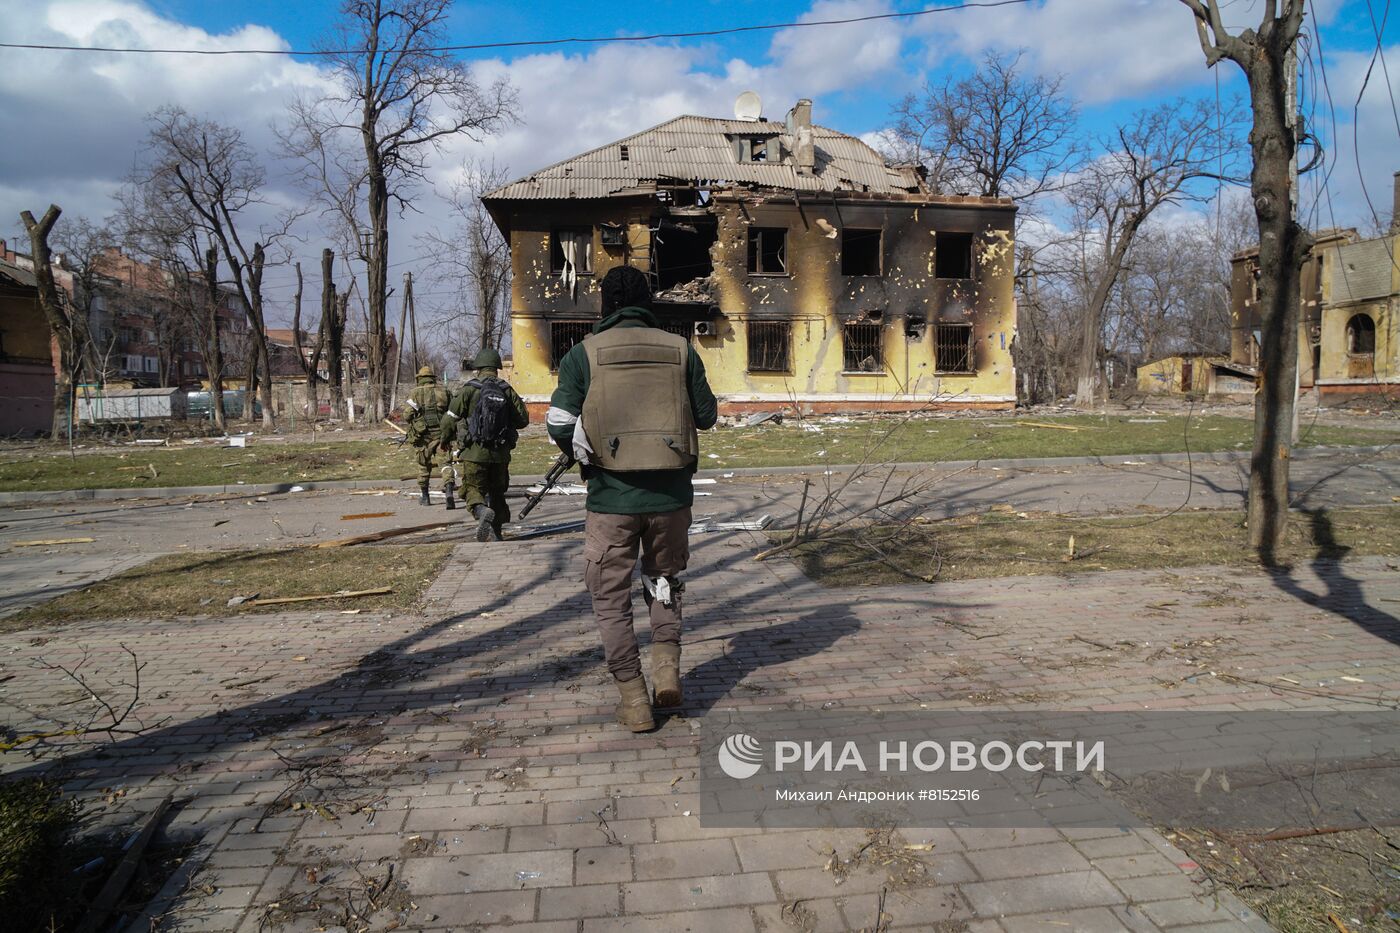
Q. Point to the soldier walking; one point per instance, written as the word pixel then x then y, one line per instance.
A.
pixel 485 417
pixel 630 400
pixel 423 411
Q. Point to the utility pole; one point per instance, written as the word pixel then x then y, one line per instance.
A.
pixel 398 345
pixel 412 321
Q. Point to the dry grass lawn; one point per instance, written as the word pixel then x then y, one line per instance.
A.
pixel 202 584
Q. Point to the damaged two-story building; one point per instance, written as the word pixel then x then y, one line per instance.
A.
pixel 805 268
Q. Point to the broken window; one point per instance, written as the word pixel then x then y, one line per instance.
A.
pixel 563 335
pixel 861 348
pixel 1361 334
pixel 769 343
pixel 571 250
pixel 756 148
pixel 768 251
pixel 952 255
pixel 681 252
pixel 860 252
pixel 953 348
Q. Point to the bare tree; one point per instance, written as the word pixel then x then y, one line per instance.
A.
pixel 333 312
pixel 1265 55
pixel 67 324
pixel 401 102
pixel 209 167
pixel 472 260
pixel 1153 161
pixel 997 132
pixel 84 252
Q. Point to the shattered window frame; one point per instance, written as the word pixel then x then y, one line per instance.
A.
pixel 862 347
pixel 760 249
pixel 949 257
pixel 769 346
pixel 563 337
pixel 952 348
pixel 859 238
pixel 556 250
pixel 755 149
pixel 1361 335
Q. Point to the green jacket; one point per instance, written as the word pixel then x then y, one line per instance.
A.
pixel 424 410
pixel 460 409
pixel 631 493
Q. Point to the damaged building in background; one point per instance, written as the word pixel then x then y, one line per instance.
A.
pixel 803 267
pixel 1349 322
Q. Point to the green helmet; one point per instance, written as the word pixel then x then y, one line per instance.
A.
pixel 487 359
pixel 426 371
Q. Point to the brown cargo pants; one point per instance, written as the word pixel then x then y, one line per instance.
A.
pixel 610 560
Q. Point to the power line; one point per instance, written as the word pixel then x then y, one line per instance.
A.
pixel 535 43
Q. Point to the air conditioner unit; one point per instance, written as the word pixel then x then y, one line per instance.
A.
pixel 704 328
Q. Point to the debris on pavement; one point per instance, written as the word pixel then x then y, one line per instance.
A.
pixel 763 417
pixel 47 542
pixel 340 594
pixel 359 515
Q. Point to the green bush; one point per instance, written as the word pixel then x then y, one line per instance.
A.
pixel 37 825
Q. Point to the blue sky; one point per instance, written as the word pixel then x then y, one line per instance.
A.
pixel 79 117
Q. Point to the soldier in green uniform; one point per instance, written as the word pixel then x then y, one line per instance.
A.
pixel 485 416
pixel 423 411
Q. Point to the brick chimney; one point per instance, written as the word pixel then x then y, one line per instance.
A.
pixel 1395 208
pixel 799 130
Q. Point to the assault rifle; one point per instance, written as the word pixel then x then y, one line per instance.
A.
pixel 560 467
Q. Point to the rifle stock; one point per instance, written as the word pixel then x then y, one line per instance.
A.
pixel 560 467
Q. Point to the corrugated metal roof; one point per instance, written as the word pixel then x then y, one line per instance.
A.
pixel 18 275
pixel 690 148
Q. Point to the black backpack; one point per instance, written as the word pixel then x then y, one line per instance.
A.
pixel 490 422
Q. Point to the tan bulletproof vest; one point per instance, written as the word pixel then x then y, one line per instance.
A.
pixel 637 412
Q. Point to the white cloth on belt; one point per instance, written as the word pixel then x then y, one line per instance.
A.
pixel 659 588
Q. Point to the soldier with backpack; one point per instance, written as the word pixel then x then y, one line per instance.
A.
pixel 424 410
pixel 486 415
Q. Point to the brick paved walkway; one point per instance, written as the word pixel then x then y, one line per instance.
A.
pixel 466 774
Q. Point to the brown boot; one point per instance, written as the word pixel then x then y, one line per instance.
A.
pixel 666 674
pixel 633 709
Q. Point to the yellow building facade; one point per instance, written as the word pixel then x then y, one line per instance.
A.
pixel 816 277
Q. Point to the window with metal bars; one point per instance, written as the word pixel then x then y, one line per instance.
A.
pixel 768 250
pixel 953 348
pixel 563 335
pixel 861 348
pixel 769 346
pixel 679 328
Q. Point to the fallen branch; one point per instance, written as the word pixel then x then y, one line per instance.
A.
pixel 46 542
pixel 359 515
pixel 102 907
pixel 1046 424
pixel 342 594
pixel 1279 835
pixel 383 535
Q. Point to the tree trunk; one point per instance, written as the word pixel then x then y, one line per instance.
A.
pixel 60 324
pixel 213 346
pixel 1283 246
pixel 377 339
pixel 1093 317
pixel 335 342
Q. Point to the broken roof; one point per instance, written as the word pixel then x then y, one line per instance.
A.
pixel 18 275
pixel 690 149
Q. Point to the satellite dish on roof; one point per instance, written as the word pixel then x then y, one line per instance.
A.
pixel 748 107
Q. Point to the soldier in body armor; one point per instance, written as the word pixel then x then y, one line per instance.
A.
pixel 485 418
pixel 423 411
pixel 630 400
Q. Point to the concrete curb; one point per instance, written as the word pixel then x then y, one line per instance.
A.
pixel 272 489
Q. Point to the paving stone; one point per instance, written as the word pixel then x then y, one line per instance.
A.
pixel 579 901
pixel 1091 920
pixel 1022 861
pixel 696 893
pixel 459 910
pixel 499 872
pixel 693 859
pixel 696 921
pixel 1035 895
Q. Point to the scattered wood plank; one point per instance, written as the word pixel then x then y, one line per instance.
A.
pixel 106 901
pixel 359 515
pixel 1047 424
pixel 46 542
pixel 341 594
pixel 386 534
